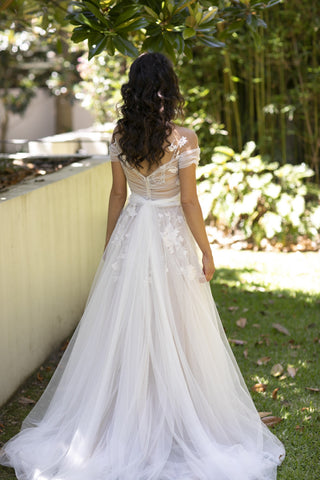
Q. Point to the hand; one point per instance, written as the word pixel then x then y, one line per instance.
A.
pixel 208 266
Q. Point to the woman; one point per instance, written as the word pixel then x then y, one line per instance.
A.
pixel 148 388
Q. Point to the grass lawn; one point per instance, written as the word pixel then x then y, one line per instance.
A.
pixel 263 288
pixel 267 288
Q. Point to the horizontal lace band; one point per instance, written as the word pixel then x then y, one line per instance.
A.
pixel 159 202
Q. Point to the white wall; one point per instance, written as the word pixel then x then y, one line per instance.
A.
pixel 52 237
pixel 39 119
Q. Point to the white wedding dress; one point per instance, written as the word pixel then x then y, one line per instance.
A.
pixel 148 387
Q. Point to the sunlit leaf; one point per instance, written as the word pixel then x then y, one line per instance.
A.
pixel 277 370
pixel 275 393
pixel 259 387
pixel 292 371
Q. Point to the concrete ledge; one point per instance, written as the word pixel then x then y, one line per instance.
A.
pixel 52 239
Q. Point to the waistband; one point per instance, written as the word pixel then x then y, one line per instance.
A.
pixel 134 198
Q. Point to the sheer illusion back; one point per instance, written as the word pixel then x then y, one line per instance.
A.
pixel 163 182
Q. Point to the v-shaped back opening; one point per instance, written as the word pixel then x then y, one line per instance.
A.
pixel 174 146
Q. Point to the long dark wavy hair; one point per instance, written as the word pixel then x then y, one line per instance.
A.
pixel 151 100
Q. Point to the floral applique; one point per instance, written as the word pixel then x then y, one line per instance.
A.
pixel 131 210
pixel 182 141
pixel 171 237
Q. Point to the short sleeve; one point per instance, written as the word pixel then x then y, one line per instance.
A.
pixel 114 152
pixel 188 157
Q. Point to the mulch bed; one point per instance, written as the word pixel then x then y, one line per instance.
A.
pixel 15 171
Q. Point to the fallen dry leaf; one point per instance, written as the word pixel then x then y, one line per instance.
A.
pixel 264 414
pixel 245 353
pixel 281 328
pixel 298 427
pixel 259 387
pixel 313 389
pixel 277 370
pixel 292 371
pixel 263 360
pixel 270 421
pixel 26 401
pixel 275 393
pixel 241 322
pixel 233 308
pixel 237 342
pixel 256 325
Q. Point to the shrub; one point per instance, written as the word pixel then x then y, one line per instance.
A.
pixel 247 193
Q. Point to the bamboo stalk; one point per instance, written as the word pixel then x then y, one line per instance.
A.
pixel 235 108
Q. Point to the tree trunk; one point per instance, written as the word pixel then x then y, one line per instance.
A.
pixel 4 130
pixel 63 114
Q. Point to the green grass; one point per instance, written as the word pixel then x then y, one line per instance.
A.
pixel 277 288
pixel 264 288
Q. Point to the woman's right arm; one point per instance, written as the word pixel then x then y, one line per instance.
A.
pixel 193 214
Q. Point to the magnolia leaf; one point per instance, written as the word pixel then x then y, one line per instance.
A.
pixel 263 360
pixel 281 328
pixel 151 12
pixel 275 393
pixel 292 371
pixel 188 33
pixel 241 322
pixel 125 47
pixel 313 389
pixel 259 387
pixel 233 308
pixel 277 370
pixel 270 421
pixel 237 342
pixel 96 49
pixel 264 414
pixel 26 401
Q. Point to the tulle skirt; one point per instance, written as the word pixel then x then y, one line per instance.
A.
pixel 148 387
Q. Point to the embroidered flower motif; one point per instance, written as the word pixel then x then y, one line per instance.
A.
pixel 131 210
pixel 173 169
pixel 190 272
pixel 172 147
pixel 182 141
pixel 171 237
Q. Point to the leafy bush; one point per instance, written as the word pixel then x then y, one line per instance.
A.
pixel 263 200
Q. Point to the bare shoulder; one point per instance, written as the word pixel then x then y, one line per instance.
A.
pixel 115 134
pixel 190 135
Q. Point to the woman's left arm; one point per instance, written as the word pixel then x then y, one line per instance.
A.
pixel 117 198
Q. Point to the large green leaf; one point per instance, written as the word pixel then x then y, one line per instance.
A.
pixel 125 46
pixel 131 25
pixel 96 11
pixel 79 34
pixel 98 48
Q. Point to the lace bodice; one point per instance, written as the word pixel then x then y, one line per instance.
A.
pixel 164 181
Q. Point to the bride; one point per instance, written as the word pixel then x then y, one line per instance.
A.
pixel 148 387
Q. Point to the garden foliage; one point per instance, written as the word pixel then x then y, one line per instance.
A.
pixel 242 191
